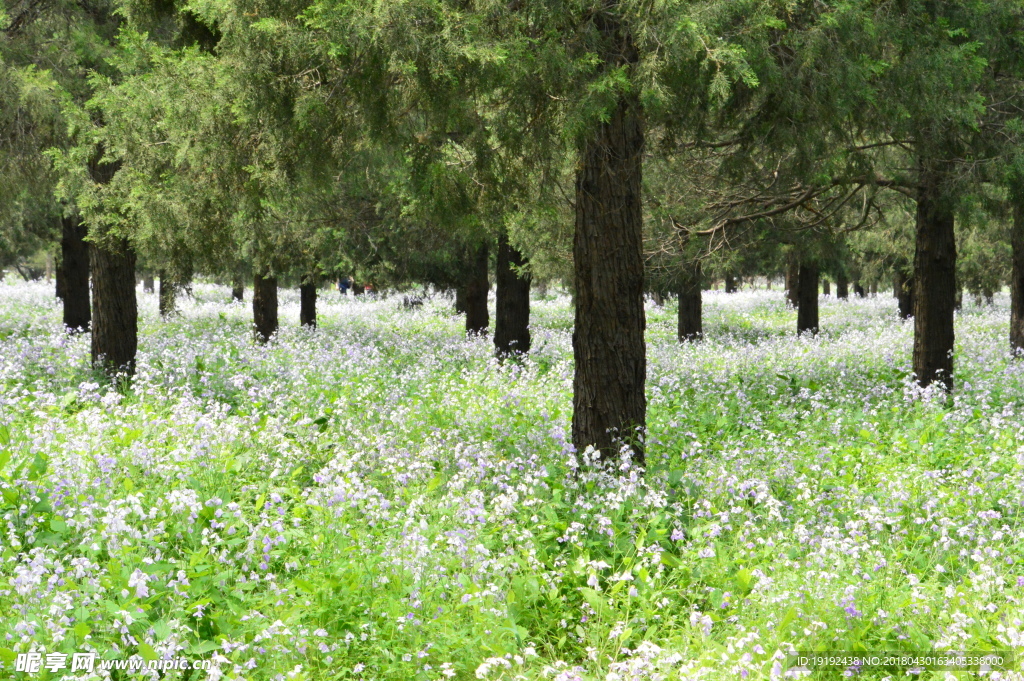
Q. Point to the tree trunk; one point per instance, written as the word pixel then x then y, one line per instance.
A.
pixel 793 281
pixel 1017 281
pixel 934 285
pixel 657 298
pixel 874 289
pixel 959 304
pixel 512 314
pixel 460 300
pixel 115 314
pixel 609 402
pixel 842 287
pixel 238 288
pixel 691 322
pixel 475 296
pixel 859 290
pixel 807 299
pixel 730 284
pixel 904 287
pixel 307 305
pixel 826 287
pixel 73 278
pixel 148 283
pixel 264 307
pixel 168 293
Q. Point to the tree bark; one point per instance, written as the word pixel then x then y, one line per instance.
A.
pixel 114 308
pixel 73 277
pixel 307 305
pixel 264 307
pixel 1017 281
pixel 609 402
pixel 842 287
pixel 730 284
pixel 238 289
pixel 859 290
pixel 691 322
pixel 934 284
pixel 476 289
pixel 807 299
pixel 793 281
pixel 148 283
pixel 512 313
pixel 168 294
pixel 904 288
pixel 826 287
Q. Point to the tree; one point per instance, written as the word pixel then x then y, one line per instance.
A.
pixel 512 318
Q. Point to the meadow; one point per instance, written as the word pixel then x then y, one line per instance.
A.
pixel 381 499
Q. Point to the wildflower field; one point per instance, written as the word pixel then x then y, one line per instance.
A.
pixel 381 499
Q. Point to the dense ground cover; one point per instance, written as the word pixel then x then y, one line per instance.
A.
pixel 380 499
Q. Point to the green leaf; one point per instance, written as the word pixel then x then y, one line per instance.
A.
pixel 595 600
pixel 205 647
pixel 8 655
pixel 787 619
pixel 147 652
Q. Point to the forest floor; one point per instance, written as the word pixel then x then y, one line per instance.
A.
pixel 380 499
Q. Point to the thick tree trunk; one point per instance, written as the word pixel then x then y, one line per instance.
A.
pixel 114 308
pixel 730 284
pixel 934 285
pixel 793 281
pixel 904 287
pixel 1017 281
pixel 807 299
pixel 842 287
pixel 148 283
pixel 238 289
pixel 477 287
pixel 264 307
pixel 74 274
pixel 307 305
pixel 512 314
pixel 859 290
pixel 691 322
pixel 609 401
pixel 657 298
pixel 168 294
pixel 826 287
